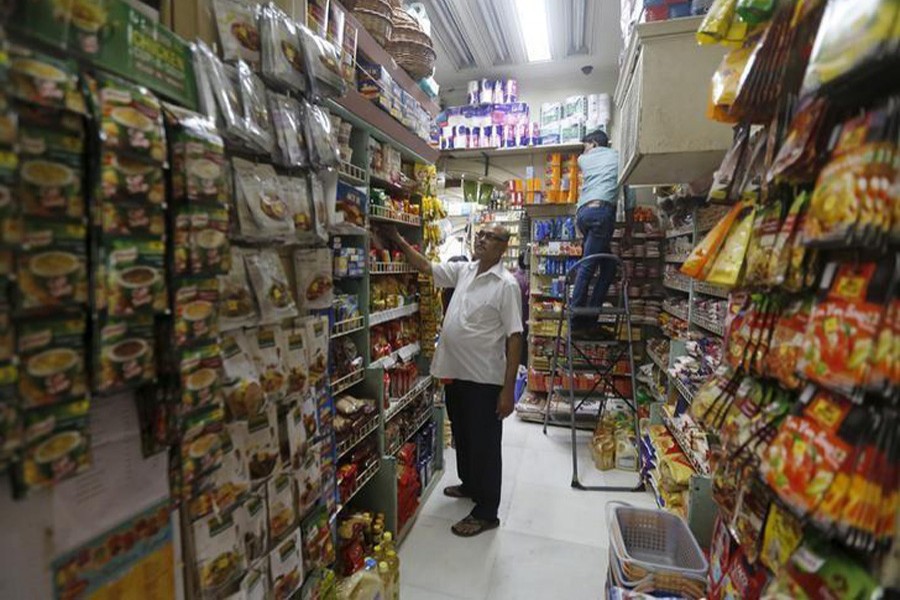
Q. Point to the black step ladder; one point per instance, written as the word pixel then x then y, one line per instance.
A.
pixel 616 320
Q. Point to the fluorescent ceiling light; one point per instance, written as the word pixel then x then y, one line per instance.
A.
pixel 533 20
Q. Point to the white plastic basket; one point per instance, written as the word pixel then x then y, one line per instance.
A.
pixel 654 540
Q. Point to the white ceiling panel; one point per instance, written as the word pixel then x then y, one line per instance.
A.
pixel 480 38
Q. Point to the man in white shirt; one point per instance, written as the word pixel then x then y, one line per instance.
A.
pixel 478 355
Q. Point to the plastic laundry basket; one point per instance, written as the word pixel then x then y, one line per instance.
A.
pixel 669 582
pixel 648 540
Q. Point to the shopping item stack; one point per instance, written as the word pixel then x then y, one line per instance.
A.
pixel 653 552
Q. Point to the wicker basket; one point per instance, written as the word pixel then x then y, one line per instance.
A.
pixel 406 29
pixel 377 23
pixel 416 59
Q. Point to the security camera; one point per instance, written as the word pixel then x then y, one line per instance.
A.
pixel 587 69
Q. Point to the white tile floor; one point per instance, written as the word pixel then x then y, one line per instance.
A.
pixel 552 540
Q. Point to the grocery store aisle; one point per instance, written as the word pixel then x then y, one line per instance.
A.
pixel 552 540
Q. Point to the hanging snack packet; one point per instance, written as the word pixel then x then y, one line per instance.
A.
pixel 808 452
pixel 323 63
pixel 320 139
pixel 281 505
pixel 238 307
pixel 799 156
pixel 238 34
pixel 290 149
pixel 282 56
pixel 241 385
pixel 268 348
pixel 45 81
pixel 788 235
pixel 126 357
pixel 219 553
pixel 51 265
pixel 201 376
pixel 723 178
pixel 782 535
pixel 841 338
pixel 228 111
pixel 755 12
pixel 52 357
pixel 46 174
pixel 727 267
pixel 765 231
pixel 286 566
pixel 318 332
pixel 314 270
pixel 852 38
pixel 885 371
pixel 716 23
pixel 196 312
pixel 295 359
pixel 199 166
pixel 130 120
pixel 255 107
pixel 253 525
pixel 131 277
pixel 270 285
pixel 724 85
pixel 258 439
pixel 787 346
pixel 709 247
pixel 837 205
pixel 320 207
pixel 295 191
pixel 262 212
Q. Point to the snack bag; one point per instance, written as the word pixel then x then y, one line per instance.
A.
pixel 710 245
pixel 779 258
pixel 716 23
pixel 727 267
pixel 808 452
pixel 787 346
pixel 840 340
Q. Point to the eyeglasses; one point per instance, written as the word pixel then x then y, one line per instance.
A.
pixel 490 235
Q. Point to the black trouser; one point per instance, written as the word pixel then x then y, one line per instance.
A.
pixel 477 431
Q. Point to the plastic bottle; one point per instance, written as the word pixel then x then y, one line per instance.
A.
pixel 378 553
pixel 387 580
pixel 393 562
pixel 387 542
pixel 365 584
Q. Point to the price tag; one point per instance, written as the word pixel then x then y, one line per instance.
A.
pixel 406 353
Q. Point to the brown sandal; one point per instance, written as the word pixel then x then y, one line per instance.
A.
pixel 455 491
pixel 472 526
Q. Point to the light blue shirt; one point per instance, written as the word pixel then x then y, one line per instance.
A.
pixel 600 174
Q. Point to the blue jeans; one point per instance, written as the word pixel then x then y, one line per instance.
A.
pixel 597 225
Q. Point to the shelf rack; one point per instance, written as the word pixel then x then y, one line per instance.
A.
pixel 404 354
pixel 390 268
pixel 348 326
pixel 344 383
pixel 347 445
pixel 383 214
pixel 398 404
pixel 383 316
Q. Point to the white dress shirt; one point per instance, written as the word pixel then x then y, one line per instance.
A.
pixel 484 311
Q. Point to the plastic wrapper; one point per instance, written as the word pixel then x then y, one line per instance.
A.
pixel 228 111
pixel 787 345
pixel 283 65
pixel 255 106
pixel 755 12
pixel 709 247
pixel 290 135
pixel 270 285
pixel 238 306
pixel 724 86
pixel 295 191
pixel 238 34
pixel 262 212
pixel 788 236
pixel 717 21
pixel 766 226
pixel 841 338
pixel 852 35
pixel 315 288
pixel 323 63
pixel 241 384
pixel 727 267
pixel 321 141
pixel 320 206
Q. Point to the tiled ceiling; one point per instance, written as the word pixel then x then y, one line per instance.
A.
pixel 480 38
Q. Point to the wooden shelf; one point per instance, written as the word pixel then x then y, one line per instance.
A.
pixel 366 44
pixel 515 151
pixel 362 113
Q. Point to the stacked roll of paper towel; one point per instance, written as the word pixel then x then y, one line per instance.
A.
pixel 568 121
